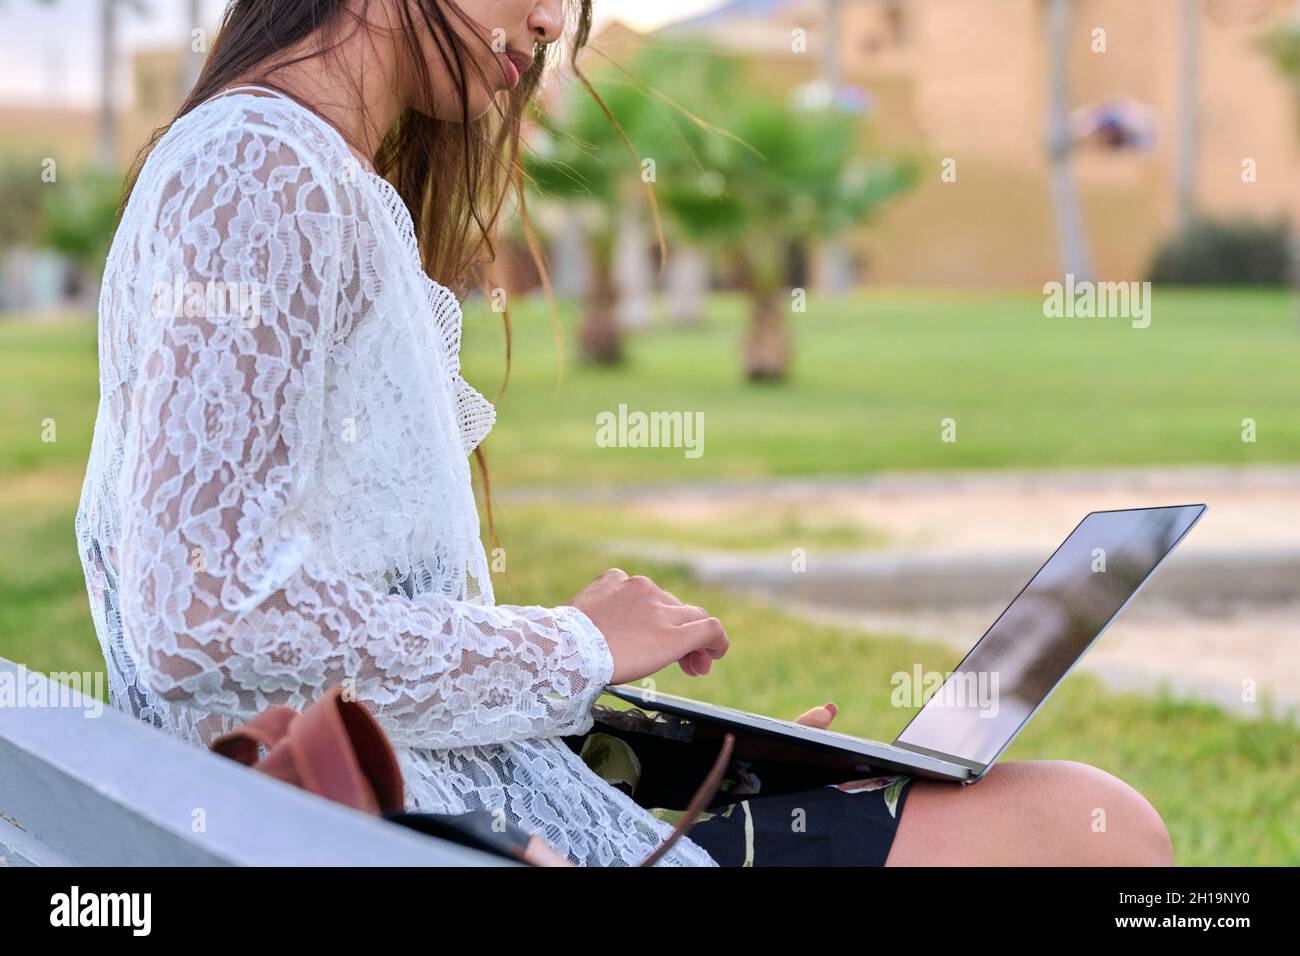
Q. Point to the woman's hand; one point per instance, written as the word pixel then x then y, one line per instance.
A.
pixel 819 717
pixel 647 628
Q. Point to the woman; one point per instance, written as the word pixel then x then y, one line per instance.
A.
pixel 279 499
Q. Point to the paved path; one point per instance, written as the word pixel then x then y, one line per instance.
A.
pixel 1224 610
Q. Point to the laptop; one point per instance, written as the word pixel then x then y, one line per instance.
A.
pixel 964 727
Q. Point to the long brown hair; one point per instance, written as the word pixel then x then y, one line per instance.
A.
pixel 455 217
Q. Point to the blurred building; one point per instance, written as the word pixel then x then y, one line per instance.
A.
pixel 959 80
pixel 158 84
pixel 967 80
pixel 68 133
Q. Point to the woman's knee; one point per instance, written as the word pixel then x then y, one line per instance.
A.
pixel 1122 828
pixel 1036 813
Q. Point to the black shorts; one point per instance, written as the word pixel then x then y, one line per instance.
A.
pixel 765 813
pixel 846 824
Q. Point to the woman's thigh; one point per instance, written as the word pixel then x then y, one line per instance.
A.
pixel 1032 813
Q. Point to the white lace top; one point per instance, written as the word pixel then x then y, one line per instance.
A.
pixel 278 497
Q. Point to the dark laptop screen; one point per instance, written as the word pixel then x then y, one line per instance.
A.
pixel 1045 630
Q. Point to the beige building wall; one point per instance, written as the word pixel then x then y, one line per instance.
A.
pixel 70 134
pixel 33 133
pixel 967 80
pixel 981 69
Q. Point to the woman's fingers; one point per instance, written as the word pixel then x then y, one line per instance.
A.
pixel 819 717
pixel 706 639
pixel 684 613
pixel 647 628
pixel 706 635
pixel 695 664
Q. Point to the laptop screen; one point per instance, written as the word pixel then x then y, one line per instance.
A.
pixel 1049 626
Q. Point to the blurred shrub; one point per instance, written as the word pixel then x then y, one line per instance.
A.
pixel 1219 252
pixel 80 214
pixel 1283 45
pixel 20 203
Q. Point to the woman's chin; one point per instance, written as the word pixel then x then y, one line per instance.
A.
pixel 488 101
pixel 481 102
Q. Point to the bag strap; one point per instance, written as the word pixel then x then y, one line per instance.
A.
pixel 703 795
pixel 267 729
pixel 341 753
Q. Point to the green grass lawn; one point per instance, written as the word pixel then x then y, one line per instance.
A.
pixel 874 376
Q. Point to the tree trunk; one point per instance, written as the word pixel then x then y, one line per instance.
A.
pixel 633 273
pixel 106 145
pixel 687 283
pixel 767 347
pixel 1188 106
pixel 193 57
pixel 1075 258
pixel 601 338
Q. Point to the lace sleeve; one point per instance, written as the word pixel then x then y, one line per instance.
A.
pixel 226 605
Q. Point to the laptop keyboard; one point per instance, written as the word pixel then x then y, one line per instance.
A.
pixel 777 722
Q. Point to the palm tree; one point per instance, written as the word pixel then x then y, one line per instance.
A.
pixel 784 178
pixel 775 178
pixel 583 160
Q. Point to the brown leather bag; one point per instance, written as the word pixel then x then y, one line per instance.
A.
pixel 336 749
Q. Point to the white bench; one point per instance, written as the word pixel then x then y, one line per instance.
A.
pixel 111 791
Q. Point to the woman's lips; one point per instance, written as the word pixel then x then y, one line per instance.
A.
pixel 511 71
pixel 516 65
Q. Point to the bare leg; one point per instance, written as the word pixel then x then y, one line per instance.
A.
pixel 1032 813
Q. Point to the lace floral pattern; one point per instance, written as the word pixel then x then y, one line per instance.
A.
pixel 278 497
